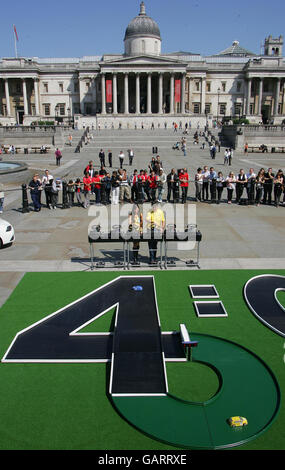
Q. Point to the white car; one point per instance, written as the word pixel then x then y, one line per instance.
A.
pixel 7 234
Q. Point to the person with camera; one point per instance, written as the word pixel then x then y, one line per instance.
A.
pixel 213 185
pixel 278 187
pixel 268 186
pixel 250 185
pixel 259 182
pixel 241 182
pixel 205 187
pixel 35 186
pixel 231 186
pixel 221 183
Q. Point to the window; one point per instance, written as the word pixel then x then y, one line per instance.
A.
pixel 208 108
pixel 4 109
pixel 208 86
pixel 88 86
pixel 223 108
pixel 33 110
pixel 60 85
pixel 196 108
pixel 46 109
pixel 197 86
pixel 224 85
pixel 238 87
pixel 238 109
pixel 18 88
pixel 61 109
pixel 45 87
pixel 251 108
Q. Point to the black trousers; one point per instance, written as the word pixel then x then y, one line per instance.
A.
pixel 205 191
pixel 267 193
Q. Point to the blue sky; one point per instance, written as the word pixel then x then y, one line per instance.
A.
pixel 69 28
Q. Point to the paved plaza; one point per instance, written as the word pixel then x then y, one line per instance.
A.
pixel 234 236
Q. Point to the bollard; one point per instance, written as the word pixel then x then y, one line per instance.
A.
pixel 25 202
pixel 64 195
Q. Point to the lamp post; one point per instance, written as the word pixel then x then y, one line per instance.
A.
pixel 219 91
pixel 56 113
pixel 68 112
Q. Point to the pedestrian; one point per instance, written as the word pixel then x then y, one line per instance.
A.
pixel 78 192
pixel 110 158
pixel 58 157
pixel 131 156
pixel 102 157
pixel 115 187
pixel 231 154
pixel 121 159
pixel 1 198
pixel 35 186
pixel 46 182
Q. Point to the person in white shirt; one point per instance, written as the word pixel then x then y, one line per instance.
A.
pixel 121 159
pixel 198 184
pixel 46 182
pixel 205 188
pixel 231 185
pixel 226 157
pixel 251 176
pixel 220 185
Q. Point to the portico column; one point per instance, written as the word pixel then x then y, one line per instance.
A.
pixel 172 94
pixel 277 94
pixel 149 93
pixel 203 95
pixel 7 95
pixel 183 93
pixel 160 92
pixel 26 111
pixel 126 93
pixel 138 96
pixel 260 96
pixel 248 97
pixel 36 97
pixel 103 93
pixel 115 99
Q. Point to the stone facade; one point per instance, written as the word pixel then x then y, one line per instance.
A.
pixel 143 86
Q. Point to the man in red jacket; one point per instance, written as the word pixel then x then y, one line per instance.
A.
pixel 153 180
pixel 87 181
pixel 184 184
pixel 96 180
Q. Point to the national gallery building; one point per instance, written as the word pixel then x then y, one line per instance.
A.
pixel 142 86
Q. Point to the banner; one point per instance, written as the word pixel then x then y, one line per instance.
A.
pixel 109 91
pixel 16 34
pixel 177 94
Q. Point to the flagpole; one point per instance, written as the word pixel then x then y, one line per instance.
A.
pixel 15 40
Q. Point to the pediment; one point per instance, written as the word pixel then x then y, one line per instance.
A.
pixel 147 60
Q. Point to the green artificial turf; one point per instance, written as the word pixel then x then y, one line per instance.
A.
pixel 66 406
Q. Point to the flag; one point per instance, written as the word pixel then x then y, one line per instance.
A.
pixel 15 31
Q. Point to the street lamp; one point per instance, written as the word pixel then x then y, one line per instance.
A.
pixel 68 112
pixel 56 112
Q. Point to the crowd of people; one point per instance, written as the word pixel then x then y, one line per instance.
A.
pixel 155 185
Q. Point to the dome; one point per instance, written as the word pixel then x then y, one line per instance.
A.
pixel 142 25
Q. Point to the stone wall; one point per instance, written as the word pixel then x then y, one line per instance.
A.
pixel 237 136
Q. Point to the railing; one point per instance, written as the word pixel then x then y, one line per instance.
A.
pixel 31 129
